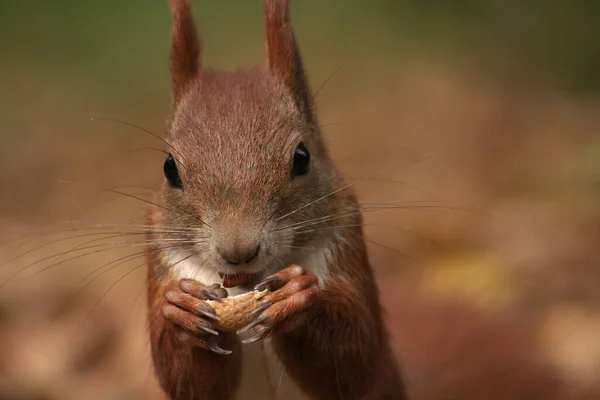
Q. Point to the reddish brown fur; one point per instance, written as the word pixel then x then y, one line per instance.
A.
pixel 185 48
pixel 214 117
pixel 184 370
pixel 283 55
pixel 233 136
pixel 342 352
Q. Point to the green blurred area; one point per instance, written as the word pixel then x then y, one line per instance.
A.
pixel 513 85
pixel 111 55
pixel 116 42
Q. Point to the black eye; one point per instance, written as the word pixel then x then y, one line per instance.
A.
pixel 171 173
pixel 301 161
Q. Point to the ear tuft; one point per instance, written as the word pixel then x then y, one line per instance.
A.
pixel 283 55
pixel 185 48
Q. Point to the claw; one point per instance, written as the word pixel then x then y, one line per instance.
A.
pixel 256 322
pixel 207 314
pixel 260 335
pixel 264 284
pixel 211 296
pixel 260 309
pixel 216 349
pixel 207 329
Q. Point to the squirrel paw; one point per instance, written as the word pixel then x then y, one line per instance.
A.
pixel 186 308
pixel 291 292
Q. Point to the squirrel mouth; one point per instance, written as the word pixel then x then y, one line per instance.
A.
pixel 233 280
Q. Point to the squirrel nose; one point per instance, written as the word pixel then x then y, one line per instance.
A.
pixel 239 255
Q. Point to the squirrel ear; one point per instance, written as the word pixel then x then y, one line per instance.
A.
pixel 283 56
pixel 184 60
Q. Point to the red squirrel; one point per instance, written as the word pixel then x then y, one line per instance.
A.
pixel 251 199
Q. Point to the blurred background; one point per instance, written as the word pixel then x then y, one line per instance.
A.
pixel 483 116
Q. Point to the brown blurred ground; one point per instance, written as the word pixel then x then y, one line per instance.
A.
pixel 497 141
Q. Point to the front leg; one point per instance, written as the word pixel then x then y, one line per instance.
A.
pixel 329 337
pixel 191 359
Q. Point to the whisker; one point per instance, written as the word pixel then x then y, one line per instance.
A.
pixel 176 245
pixel 201 264
pixel 325 82
pixel 393 249
pixel 51 229
pixel 407 205
pixel 407 231
pixel 129 273
pixel 295 246
pixel 89 242
pixel 348 185
pixel 99 251
pixel 302 224
pixel 15 258
pixel 280 262
pixel 169 145
pixel 111 287
pixel 185 212
pixel 65 239
pixel 90 202
pixel 147 149
pixel 156 277
pixel 112 246
pixel 370 241
pixel 120 261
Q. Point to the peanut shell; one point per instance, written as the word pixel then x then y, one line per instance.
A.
pixel 233 311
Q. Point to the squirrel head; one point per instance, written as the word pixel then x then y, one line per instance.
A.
pixel 247 165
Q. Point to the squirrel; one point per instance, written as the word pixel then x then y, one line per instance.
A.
pixel 252 200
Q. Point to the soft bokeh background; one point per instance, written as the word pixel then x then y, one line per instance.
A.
pixel 482 115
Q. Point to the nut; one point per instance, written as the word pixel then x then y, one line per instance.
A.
pixel 233 311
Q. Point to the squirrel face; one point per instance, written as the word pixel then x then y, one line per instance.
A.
pixel 244 163
pixel 247 165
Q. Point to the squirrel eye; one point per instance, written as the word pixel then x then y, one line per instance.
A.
pixel 171 173
pixel 301 161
